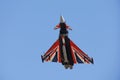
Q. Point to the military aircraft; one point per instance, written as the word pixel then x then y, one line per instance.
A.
pixel 64 50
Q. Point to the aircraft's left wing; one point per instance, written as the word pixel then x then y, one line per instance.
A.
pixel 79 56
pixel 53 54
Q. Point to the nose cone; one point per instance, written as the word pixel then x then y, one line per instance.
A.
pixel 62 20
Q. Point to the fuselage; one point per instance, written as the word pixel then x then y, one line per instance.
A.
pixel 65 48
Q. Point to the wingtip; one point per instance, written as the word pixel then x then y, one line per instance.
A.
pixel 92 61
pixel 42 59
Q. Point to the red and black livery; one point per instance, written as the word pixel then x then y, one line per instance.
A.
pixel 64 50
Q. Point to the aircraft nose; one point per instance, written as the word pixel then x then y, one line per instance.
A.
pixel 62 20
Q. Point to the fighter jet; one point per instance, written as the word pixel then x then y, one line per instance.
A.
pixel 64 50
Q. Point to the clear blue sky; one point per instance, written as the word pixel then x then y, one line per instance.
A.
pixel 26 32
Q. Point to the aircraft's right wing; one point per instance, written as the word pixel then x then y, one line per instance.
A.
pixel 79 56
